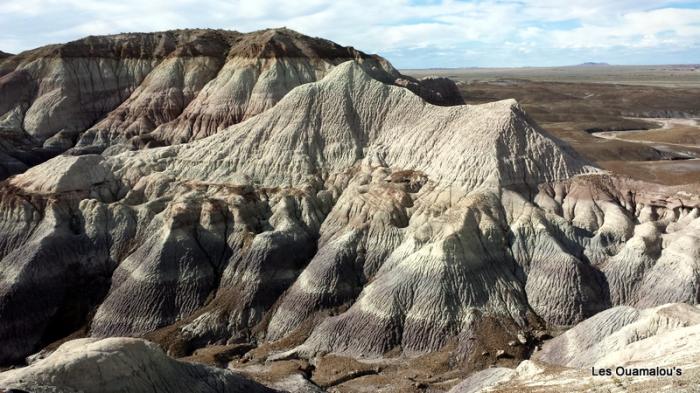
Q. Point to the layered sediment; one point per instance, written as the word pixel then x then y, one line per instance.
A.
pixel 137 90
pixel 345 215
pixel 351 193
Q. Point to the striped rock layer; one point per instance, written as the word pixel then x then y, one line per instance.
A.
pixel 151 89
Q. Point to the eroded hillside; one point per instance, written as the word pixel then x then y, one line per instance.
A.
pixel 346 219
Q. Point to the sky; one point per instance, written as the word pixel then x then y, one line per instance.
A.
pixel 411 34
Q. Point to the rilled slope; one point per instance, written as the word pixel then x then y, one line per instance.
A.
pixel 596 340
pixel 417 227
pixel 52 94
pixel 622 339
pixel 162 88
pixel 327 127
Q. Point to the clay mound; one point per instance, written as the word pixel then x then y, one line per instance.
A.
pixel 351 217
pixel 439 90
pixel 331 125
pixel 121 365
pixel 73 85
pixel 349 116
pixel 170 260
pixel 49 95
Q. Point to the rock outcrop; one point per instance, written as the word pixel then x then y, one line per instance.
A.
pixel 121 365
pixel 162 88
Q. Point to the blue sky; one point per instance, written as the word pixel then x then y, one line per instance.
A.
pixel 411 34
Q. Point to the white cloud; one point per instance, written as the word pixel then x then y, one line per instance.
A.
pixel 385 26
pixel 645 29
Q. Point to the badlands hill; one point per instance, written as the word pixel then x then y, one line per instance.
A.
pixel 161 88
pixel 350 217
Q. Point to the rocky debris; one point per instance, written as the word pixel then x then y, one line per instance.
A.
pixel 484 379
pixel 297 383
pixel 219 355
pixel 440 90
pixel 121 365
pixel 287 375
pixel 334 370
pixel 151 89
pixel 663 337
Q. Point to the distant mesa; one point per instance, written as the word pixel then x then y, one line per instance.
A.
pixel 592 64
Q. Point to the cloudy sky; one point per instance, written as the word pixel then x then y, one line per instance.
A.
pixel 411 34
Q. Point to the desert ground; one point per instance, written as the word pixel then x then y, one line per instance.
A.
pixel 684 75
pixel 637 121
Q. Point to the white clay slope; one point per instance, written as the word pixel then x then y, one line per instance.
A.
pixel 621 339
pixel 326 127
pixel 117 365
pixel 138 90
pixel 596 340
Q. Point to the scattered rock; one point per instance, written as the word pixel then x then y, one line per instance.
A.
pixel 542 335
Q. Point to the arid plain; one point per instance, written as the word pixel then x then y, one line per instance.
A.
pixel 639 121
